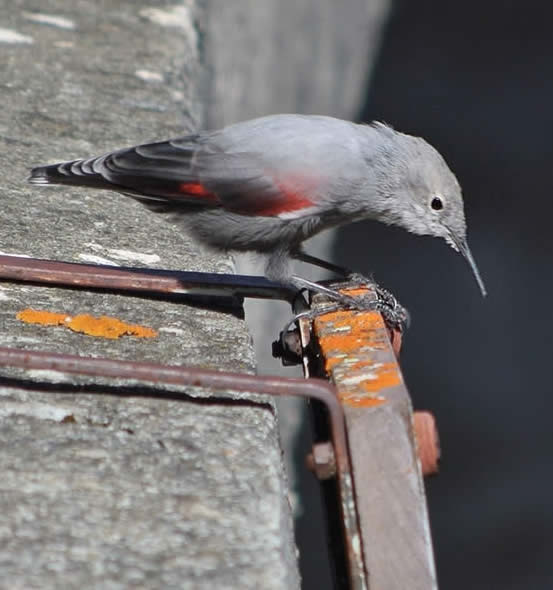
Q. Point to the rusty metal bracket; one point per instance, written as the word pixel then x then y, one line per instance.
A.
pixel 354 350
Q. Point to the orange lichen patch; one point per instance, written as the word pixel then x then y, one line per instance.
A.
pixel 362 322
pixel 366 321
pixel 107 327
pixel 340 342
pixel 103 327
pixel 349 342
pixel 343 319
pixel 357 401
pixel 386 375
pixel 45 318
pixel 344 332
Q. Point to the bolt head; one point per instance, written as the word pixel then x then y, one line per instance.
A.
pixel 321 461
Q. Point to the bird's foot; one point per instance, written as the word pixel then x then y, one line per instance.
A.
pixel 395 315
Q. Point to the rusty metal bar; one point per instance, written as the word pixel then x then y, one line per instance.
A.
pixel 152 372
pixel 353 349
pixel 91 276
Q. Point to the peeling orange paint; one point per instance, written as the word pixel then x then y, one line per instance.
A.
pixel 348 341
pixel 364 330
pixel 103 327
pixel 353 319
pixel 357 401
pixel 340 342
pixel 387 375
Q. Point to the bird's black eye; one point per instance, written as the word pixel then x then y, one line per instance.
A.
pixel 437 204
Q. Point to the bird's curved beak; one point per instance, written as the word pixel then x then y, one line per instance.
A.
pixel 462 246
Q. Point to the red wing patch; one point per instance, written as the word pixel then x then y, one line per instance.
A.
pixel 268 197
pixel 195 189
pixel 289 201
pixel 257 196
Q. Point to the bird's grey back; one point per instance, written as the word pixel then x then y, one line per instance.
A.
pixel 333 151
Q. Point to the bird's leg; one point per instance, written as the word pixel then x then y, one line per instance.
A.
pixel 354 279
pixel 304 284
pixel 340 301
pixel 302 256
pixel 278 269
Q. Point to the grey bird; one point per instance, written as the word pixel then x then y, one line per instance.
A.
pixel 268 184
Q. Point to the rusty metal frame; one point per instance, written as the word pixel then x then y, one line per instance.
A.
pixel 147 282
pixel 358 352
pixel 139 280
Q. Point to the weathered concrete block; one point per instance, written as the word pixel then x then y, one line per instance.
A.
pixel 99 490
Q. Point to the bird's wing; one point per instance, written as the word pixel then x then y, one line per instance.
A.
pixel 191 172
pixel 181 172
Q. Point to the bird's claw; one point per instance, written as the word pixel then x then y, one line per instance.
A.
pixel 395 315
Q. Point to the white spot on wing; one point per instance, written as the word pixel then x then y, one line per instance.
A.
pixel 11 36
pixel 50 19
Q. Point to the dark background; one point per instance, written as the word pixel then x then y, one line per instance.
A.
pixel 476 80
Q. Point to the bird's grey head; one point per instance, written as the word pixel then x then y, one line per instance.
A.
pixel 421 193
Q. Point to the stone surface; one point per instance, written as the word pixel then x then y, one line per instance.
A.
pixel 119 493
pixel 99 490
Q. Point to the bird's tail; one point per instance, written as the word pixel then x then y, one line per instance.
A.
pixel 164 174
pixel 76 173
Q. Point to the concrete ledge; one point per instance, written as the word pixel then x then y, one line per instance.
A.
pixel 99 490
